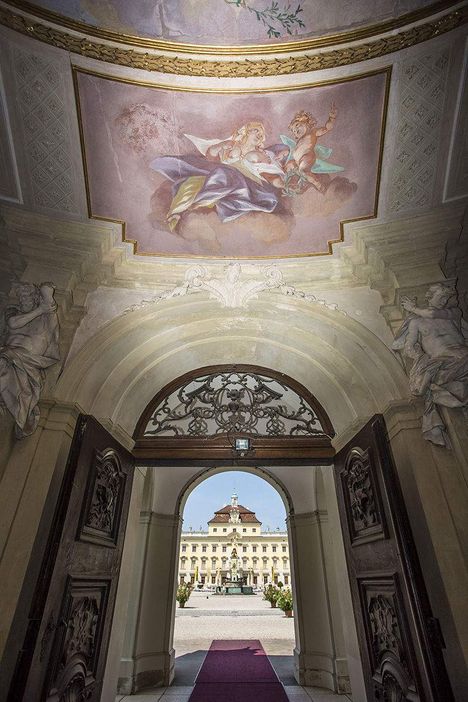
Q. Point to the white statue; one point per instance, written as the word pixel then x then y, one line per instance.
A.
pixel 436 337
pixel 29 346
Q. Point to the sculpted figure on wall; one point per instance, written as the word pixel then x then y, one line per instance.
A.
pixel 436 338
pixel 30 344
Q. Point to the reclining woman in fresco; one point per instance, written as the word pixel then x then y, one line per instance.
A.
pixel 235 175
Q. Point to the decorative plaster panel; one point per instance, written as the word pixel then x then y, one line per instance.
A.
pixel 422 91
pixel 457 175
pixel 9 186
pixel 41 97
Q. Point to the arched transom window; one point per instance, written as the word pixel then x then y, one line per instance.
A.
pixel 211 409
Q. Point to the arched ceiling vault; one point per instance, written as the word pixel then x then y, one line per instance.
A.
pixel 350 371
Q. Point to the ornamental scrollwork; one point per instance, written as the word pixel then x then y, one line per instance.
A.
pixel 237 403
pixel 101 514
pixel 102 508
pixel 385 630
pixel 243 68
pixel 81 631
pixel 362 502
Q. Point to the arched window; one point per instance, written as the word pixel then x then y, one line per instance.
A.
pixel 234 412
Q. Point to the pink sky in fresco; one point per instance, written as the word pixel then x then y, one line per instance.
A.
pixel 124 186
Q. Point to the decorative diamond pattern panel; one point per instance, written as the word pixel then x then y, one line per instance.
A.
pixel 41 98
pixel 423 83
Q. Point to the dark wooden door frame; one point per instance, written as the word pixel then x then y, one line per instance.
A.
pixel 385 574
pixel 87 593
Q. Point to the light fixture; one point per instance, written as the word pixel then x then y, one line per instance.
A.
pixel 242 444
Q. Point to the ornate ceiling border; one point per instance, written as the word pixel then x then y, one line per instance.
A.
pixel 327 40
pixel 238 68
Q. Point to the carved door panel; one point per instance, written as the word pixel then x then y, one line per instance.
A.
pixel 65 650
pixel 400 641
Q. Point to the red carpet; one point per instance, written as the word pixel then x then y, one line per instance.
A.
pixel 237 671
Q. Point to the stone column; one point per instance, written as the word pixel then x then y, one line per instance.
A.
pixel 126 606
pixel 348 666
pixel 150 639
pixel 314 655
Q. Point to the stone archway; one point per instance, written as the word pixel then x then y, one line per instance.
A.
pixel 175 467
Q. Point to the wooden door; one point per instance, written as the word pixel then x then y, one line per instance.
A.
pixel 64 654
pixel 399 639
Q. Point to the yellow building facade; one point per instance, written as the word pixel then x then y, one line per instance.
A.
pixel 234 549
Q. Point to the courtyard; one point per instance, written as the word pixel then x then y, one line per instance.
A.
pixel 207 616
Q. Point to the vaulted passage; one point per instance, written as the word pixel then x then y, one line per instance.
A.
pixel 234 238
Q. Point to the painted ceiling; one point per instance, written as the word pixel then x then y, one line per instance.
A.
pixel 238 175
pixel 228 22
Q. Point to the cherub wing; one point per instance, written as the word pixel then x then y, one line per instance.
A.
pixel 287 141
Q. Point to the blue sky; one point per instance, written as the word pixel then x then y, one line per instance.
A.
pixel 254 493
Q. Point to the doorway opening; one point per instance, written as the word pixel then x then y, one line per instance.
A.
pixel 233 565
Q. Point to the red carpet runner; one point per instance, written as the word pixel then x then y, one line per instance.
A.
pixel 237 671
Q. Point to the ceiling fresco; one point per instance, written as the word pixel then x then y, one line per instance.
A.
pixel 232 175
pixel 229 22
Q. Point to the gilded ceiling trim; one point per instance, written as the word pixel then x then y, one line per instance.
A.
pixel 239 68
pixel 309 44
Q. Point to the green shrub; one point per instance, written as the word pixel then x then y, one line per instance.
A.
pixel 285 600
pixel 271 593
pixel 183 593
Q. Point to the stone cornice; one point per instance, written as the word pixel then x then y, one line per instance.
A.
pixel 351 52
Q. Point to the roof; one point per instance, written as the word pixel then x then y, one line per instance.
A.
pixel 245 515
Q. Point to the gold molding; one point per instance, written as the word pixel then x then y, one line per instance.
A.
pixel 387 71
pixel 239 68
pixel 308 44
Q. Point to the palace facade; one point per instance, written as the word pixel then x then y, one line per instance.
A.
pixel 234 547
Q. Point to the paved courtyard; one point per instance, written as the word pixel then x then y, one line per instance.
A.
pixel 206 617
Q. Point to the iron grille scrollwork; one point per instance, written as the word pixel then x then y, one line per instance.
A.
pixel 234 403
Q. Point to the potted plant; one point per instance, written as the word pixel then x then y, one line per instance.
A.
pixel 270 593
pixel 285 601
pixel 183 593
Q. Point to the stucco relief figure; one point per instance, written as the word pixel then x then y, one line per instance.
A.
pixel 436 337
pixel 30 345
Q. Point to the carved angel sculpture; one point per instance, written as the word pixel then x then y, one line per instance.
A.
pixel 30 345
pixel 436 337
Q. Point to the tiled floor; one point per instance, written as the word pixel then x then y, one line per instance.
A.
pixel 197 625
pixel 295 693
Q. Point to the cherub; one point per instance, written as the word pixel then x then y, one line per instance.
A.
pixel 305 157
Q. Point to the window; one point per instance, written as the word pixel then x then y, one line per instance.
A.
pixel 224 529
pixel 274 549
pixel 284 549
pixel 203 548
pixel 213 548
pixel 254 549
pixel 184 548
pixel 215 528
pixel 264 548
pixel 254 529
pixel 234 529
pixel 194 547
pixel 244 529
pixel 244 549
pixel 224 549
